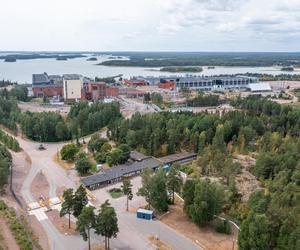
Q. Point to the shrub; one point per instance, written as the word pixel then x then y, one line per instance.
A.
pixel 223 227
pixel 68 152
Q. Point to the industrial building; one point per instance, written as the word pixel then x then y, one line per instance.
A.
pixel 260 87
pixel 49 90
pixel 73 87
pixel 134 167
pixel 202 83
pixel 98 91
pixel 215 83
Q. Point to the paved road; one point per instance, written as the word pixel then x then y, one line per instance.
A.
pixel 138 231
pixel 133 233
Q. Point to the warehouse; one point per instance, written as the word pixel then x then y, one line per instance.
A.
pixel 260 87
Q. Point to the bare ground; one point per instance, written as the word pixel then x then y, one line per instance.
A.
pixel 246 183
pixel 39 187
pixel 61 223
pixel 206 237
pixel 64 164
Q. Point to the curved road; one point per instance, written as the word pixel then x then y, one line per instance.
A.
pixel 133 233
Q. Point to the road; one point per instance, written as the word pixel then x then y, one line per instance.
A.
pixel 129 106
pixel 133 233
pixel 137 231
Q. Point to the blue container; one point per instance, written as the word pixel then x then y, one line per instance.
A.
pixel 144 214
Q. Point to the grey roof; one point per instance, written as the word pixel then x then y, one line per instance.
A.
pixel 72 76
pixel 40 79
pixel 176 157
pixel 137 156
pixel 121 170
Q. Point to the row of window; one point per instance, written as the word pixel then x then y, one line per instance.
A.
pixel 203 84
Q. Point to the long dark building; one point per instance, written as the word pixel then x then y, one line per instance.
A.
pixel 134 167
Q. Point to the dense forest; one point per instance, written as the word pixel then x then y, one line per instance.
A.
pixel 164 59
pixel 181 69
pixel 34 55
pixel 82 120
pixel 5 163
pixel 271 217
pixel 280 77
pixel 202 100
pixel 9 114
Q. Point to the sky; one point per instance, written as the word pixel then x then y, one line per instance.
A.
pixel 150 25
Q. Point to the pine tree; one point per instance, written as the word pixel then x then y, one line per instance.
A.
pixel 174 181
pixel 127 190
pixel 68 204
pixel 85 222
pixel 107 223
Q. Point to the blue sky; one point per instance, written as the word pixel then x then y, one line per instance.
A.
pixel 150 25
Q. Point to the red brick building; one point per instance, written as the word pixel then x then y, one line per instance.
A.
pixel 47 90
pixel 167 85
pixel 97 90
pixel 134 82
pixel 112 91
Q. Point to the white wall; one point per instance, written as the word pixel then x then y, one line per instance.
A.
pixel 72 89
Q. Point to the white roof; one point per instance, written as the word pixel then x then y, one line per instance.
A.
pixel 260 87
pixel 144 211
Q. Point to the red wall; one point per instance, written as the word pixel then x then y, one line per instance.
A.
pixel 48 91
pixel 111 91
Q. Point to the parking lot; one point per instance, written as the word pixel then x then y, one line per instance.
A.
pixel 137 231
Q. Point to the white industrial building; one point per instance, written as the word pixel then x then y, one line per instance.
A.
pixel 73 85
pixel 260 87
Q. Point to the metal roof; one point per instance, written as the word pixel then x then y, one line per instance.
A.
pixel 72 77
pixel 137 156
pixel 176 157
pixel 121 170
pixel 260 87
pixel 40 79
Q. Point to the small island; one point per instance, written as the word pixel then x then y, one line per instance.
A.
pixel 92 59
pixel 181 69
pixel 10 59
pixel 289 68
pixel 61 58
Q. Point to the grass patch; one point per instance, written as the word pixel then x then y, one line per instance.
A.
pixel 115 193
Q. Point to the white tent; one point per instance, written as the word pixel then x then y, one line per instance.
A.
pixel 260 87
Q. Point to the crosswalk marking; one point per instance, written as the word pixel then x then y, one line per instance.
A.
pixel 39 214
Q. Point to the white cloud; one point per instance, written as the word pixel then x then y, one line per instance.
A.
pixel 149 24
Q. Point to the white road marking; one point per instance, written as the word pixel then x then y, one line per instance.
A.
pixel 39 214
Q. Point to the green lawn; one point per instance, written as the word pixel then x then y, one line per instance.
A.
pixel 115 194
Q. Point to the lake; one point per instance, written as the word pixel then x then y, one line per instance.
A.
pixel 22 70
